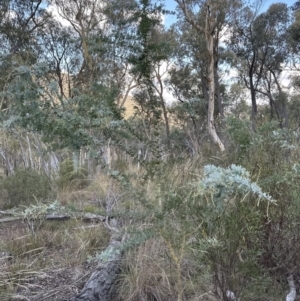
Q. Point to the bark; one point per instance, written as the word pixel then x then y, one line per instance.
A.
pixel 211 89
pixel 291 296
pixel 160 92
pixel 219 97
pixel 253 96
pixel 99 286
pixel 283 111
pixel 217 79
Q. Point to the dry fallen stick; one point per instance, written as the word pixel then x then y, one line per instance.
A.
pixel 59 217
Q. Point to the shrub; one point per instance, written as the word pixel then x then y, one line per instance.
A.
pixel 69 178
pixel 210 221
pixel 272 156
pixel 23 187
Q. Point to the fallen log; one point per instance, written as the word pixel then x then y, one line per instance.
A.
pixel 93 217
pixel 99 286
pixel 10 219
pixel 5 213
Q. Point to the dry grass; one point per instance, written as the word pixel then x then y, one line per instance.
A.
pixel 102 189
pixel 55 246
pixel 146 274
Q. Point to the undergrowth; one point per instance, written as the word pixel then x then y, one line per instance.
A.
pixel 56 245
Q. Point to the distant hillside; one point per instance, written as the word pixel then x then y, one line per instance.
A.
pixel 129 107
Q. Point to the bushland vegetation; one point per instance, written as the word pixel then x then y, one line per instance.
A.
pixel 183 137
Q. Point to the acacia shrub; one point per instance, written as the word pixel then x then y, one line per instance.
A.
pixel 209 221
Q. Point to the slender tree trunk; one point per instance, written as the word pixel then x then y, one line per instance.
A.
pixel 211 88
pixel 218 92
pixel 283 109
pixel 29 152
pixel 253 101
pixel 160 92
pixel 217 79
pixel 24 157
pixel 291 296
pixel 209 32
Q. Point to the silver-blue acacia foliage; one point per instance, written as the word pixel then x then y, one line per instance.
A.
pixel 227 182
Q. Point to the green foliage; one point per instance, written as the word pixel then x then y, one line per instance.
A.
pixel 24 187
pixel 272 156
pixel 215 222
pixel 70 177
pixel 239 132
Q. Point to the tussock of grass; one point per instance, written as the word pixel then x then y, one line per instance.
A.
pixel 146 274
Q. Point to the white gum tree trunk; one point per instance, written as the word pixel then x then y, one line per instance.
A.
pixel 209 31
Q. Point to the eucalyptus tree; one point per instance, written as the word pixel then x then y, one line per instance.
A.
pixel 296 6
pixel 188 86
pixel 62 55
pixel 150 59
pixel 88 20
pixel 67 90
pixel 259 45
pixel 275 36
pixel 189 82
pixel 209 18
pixel 20 22
pixel 294 40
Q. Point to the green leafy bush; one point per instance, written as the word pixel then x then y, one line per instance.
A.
pixel 70 178
pixel 23 187
pixel 272 158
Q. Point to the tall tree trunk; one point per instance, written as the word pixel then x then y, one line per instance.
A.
pixel 283 104
pixel 218 92
pixel 209 33
pixel 217 79
pixel 211 85
pixel 160 92
pixel 253 100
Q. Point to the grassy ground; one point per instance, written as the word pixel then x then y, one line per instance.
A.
pixel 49 263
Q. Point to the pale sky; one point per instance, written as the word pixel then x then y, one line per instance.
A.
pixel 171 5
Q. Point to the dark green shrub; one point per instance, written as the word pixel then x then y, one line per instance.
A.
pixel 23 187
pixel 272 157
pixel 239 132
pixel 69 178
